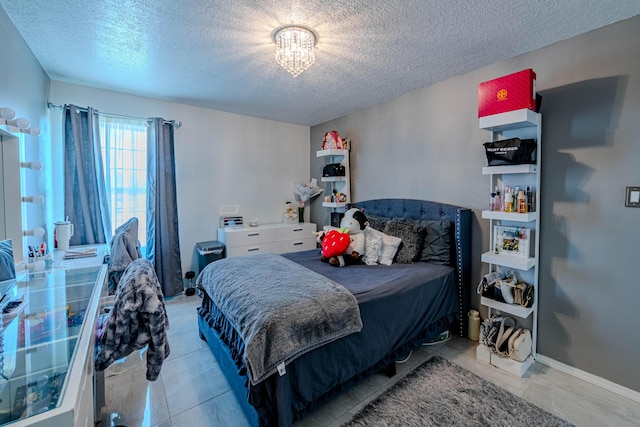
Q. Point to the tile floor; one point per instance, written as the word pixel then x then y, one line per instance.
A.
pixel 192 392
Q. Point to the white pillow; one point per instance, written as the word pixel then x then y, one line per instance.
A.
pixel 389 248
pixel 372 246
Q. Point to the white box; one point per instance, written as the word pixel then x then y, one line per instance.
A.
pixel 505 363
pixel 512 366
pixel 483 353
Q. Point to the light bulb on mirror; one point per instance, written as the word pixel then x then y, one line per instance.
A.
pixel 7 113
pixel 35 232
pixel 18 123
pixel 35 165
pixel 33 130
pixel 36 198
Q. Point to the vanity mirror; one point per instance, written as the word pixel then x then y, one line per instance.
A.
pixel 10 199
pixel 7 267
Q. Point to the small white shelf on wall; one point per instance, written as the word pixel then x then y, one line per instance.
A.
pixel 341 184
pixel 523 124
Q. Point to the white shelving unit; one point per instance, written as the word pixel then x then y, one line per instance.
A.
pixel 341 184
pixel 523 124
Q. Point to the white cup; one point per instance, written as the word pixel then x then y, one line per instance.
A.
pixel 64 231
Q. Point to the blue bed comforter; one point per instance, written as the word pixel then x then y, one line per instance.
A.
pixel 279 309
pixel 423 294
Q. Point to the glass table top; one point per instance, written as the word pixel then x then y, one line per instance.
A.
pixel 42 320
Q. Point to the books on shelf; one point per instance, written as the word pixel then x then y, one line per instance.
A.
pixel 80 253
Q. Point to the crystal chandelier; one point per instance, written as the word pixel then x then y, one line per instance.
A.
pixel 294 48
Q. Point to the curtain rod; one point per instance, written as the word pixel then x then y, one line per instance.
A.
pixel 52 106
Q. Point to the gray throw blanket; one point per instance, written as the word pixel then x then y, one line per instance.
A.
pixel 279 308
pixel 124 246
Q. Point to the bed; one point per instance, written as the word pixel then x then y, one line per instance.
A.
pixel 400 306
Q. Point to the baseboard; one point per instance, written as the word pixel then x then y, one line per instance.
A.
pixel 590 378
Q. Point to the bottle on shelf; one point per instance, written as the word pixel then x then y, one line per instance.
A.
pixel 498 199
pixel 522 202
pixel 529 200
pixel 508 199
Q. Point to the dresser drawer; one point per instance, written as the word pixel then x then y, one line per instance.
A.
pixel 233 251
pixel 297 245
pixel 296 231
pixel 248 236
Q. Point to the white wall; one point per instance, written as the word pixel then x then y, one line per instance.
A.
pixel 221 158
pixel 24 87
pixel 427 145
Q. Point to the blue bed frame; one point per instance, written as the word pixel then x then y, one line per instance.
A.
pixel 461 251
pixel 391 208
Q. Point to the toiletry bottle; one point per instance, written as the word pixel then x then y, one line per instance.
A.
pixel 492 202
pixel 508 199
pixel 498 199
pixel 529 200
pixel 522 202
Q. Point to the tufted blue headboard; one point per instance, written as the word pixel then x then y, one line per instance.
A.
pixel 461 250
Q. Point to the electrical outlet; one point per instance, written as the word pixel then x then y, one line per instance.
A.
pixel 633 197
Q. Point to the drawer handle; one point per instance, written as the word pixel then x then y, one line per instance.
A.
pixel 253 234
pixel 298 243
pixel 253 249
pixel 298 229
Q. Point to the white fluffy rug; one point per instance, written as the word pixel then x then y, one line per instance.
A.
pixel 439 393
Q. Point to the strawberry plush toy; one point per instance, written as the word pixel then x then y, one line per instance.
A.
pixel 335 243
pixel 345 246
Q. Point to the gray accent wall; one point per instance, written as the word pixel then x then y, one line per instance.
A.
pixel 426 144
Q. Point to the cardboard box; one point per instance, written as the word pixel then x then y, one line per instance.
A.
pixel 513 92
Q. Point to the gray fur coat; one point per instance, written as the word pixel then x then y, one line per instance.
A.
pixel 138 318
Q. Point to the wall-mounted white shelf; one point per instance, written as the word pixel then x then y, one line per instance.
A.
pixel 509 216
pixel 334 179
pixel 333 205
pixel 510 261
pixel 331 152
pixel 515 310
pixel 495 170
pixel 341 184
pixel 523 124
pixel 516 119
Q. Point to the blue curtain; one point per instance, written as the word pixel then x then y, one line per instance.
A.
pixel 163 245
pixel 85 201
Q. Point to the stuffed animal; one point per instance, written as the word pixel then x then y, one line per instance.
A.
pixel 345 246
pixel 332 140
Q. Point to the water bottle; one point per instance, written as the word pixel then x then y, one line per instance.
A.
pixel 474 325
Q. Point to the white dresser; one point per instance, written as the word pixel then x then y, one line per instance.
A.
pixel 274 238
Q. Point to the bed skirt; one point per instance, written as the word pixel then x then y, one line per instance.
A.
pixel 269 403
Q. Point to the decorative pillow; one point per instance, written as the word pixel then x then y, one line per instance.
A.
pixel 389 248
pixel 372 246
pixel 376 222
pixel 412 234
pixel 437 243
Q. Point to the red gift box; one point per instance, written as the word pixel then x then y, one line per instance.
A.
pixel 513 92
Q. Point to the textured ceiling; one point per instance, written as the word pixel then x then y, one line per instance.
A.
pixel 220 54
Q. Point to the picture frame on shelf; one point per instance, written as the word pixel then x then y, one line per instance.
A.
pixel 513 241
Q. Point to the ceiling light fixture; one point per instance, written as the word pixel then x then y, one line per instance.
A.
pixel 294 48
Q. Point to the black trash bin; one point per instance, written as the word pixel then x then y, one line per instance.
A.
pixel 209 252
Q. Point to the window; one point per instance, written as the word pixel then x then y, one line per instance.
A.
pixel 124 154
